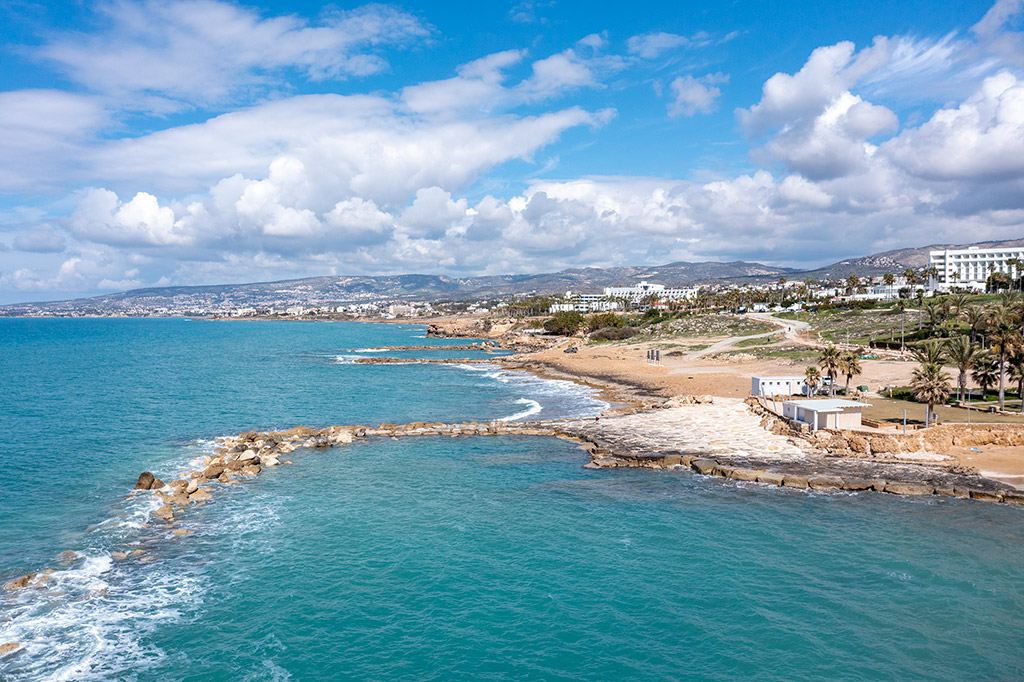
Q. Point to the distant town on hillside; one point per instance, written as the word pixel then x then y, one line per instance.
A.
pixel 905 273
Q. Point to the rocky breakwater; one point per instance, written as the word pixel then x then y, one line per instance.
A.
pixel 234 459
pixel 732 440
pixel 506 333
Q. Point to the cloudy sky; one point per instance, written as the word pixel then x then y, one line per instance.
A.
pixel 163 142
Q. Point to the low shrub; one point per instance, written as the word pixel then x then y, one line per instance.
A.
pixel 613 333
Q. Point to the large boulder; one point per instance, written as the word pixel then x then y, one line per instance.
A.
pixel 909 489
pixel 213 471
pixel 745 474
pixel 145 481
pixel 770 477
pixel 19 583
pixel 704 466
pixel 200 496
pixel 824 482
pixel 8 647
pixel 165 512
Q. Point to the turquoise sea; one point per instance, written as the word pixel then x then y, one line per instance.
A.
pixel 443 559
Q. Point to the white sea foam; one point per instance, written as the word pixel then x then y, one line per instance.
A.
pixel 345 359
pixel 372 350
pixel 88 620
pixel 534 408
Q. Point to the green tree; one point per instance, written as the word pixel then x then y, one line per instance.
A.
pixel 933 311
pixel 1015 368
pixel 812 377
pixel 986 371
pixel 930 385
pixel 889 280
pixel 975 317
pixel 1003 337
pixel 604 320
pixel 849 366
pixel 829 364
pixel 565 323
pixel 963 355
pixel 929 353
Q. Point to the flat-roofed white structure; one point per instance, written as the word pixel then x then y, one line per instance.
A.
pixel 645 288
pixel 773 386
pixel 971 267
pixel 824 414
pixel 581 306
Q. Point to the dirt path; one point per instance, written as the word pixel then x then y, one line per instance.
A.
pixel 792 327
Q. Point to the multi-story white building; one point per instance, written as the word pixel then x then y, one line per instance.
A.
pixel 582 306
pixel 972 266
pixel 644 289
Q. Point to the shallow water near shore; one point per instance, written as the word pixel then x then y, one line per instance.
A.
pixel 444 558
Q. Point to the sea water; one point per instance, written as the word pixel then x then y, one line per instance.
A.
pixel 474 558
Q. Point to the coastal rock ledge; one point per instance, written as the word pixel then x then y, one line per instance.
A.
pixel 723 438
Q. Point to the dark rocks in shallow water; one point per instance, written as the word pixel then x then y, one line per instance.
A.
pixel 145 481
pixel 157 484
pixel 213 471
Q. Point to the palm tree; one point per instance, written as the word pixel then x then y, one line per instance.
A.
pixel 963 354
pixel 1015 367
pixel 986 371
pixel 1015 266
pixel 930 385
pixel 920 304
pixel 929 353
pixel 910 275
pixel 852 282
pixel 933 309
pixel 958 302
pixel 812 377
pixel 889 280
pixel 849 365
pixel 975 316
pixel 1003 337
pixel 829 364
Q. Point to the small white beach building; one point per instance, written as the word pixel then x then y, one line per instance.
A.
pixel 778 386
pixel 824 414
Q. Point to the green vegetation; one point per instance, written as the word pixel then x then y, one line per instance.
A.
pixel 564 323
pixel 605 320
pixel 704 325
pixel 759 341
pixel 613 334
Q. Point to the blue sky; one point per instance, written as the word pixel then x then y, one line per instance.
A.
pixel 152 143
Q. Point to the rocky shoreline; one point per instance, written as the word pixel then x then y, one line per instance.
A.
pixel 770 458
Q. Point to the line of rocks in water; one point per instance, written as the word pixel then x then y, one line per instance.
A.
pixel 415 361
pixel 249 454
pixel 827 476
pixel 483 345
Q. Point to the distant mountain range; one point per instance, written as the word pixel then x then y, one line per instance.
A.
pixel 316 291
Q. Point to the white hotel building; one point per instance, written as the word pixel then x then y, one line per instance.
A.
pixel 970 267
pixel 609 300
pixel 645 288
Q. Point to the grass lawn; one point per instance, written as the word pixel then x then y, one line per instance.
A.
pixel 794 353
pixel 886 409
